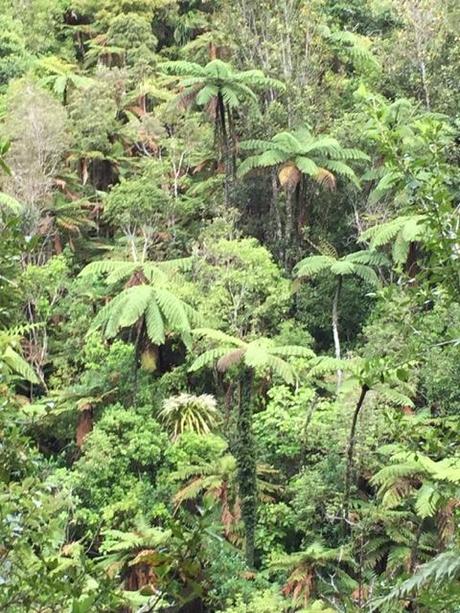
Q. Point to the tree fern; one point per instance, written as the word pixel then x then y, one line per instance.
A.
pixel 252 358
pixel 359 264
pixel 311 156
pixel 400 231
pixel 160 308
pixel 313 265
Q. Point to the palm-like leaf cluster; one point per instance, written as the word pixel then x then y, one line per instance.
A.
pixel 187 412
pixel 161 309
pixel 304 567
pixel 401 232
pixel 202 84
pixel 360 264
pixel 421 477
pixel 261 354
pixel 218 481
pixel 302 153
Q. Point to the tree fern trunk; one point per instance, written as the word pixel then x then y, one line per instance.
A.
pixel 275 212
pixel 245 454
pixel 289 226
pixel 225 147
pixel 335 326
pixel 350 450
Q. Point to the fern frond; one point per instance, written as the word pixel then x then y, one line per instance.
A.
pixel 182 68
pixel 427 500
pixel 114 268
pixel 218 336
pixel 343 170
pixel 394 396
pixel 326 364
pixel 10 203
pixel 441 570
pixel 281 368
pixel 172 309
pixel 343 267
pixel 16 364
pixel 154 323
pixel 367 257
pixel 367 274
pixel 208 358
pixel 313 265
pixel 293 350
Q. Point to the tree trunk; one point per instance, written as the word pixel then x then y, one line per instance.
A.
pixel 57 243
pixel 246 460
pixel 275 208
pixel 84 425
pixel 289 226
pixel 335 327
pixel 350 450
pixel 225 147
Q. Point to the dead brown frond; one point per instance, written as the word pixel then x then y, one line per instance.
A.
pixel 446 521
pixel 289 176
pixel 300 585
pixel 230 359
pixel 326 179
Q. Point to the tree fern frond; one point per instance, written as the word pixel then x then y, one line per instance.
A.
pixel 367 274
pixel 154 271
pixel 312 265
pixel 367 257
pixel 343 267
pixel 16 364
pixel 394 396
pixel 342 169
pixel 206 94
pixel 400 250
pixel 256 145
pixel 108 267
pixel 218 336
pixel 293 350
pixel 386 184
pixel 172 309
pixel 326 364
pixel 281 368
pixel 325 145
pixel 154 323
pixel 441 570
pixel 307 166
pixel 350 153
pixel 182 68
pixel 427 500
pixel 208 358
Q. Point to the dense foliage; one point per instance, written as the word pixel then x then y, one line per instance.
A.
pixel 229 306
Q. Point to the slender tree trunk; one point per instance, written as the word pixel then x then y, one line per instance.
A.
pixel 57 242
pixel 225 147
pixel 350 450
pixel 245 455
pixel 275 207
pixel 289 225
pixel 335 327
